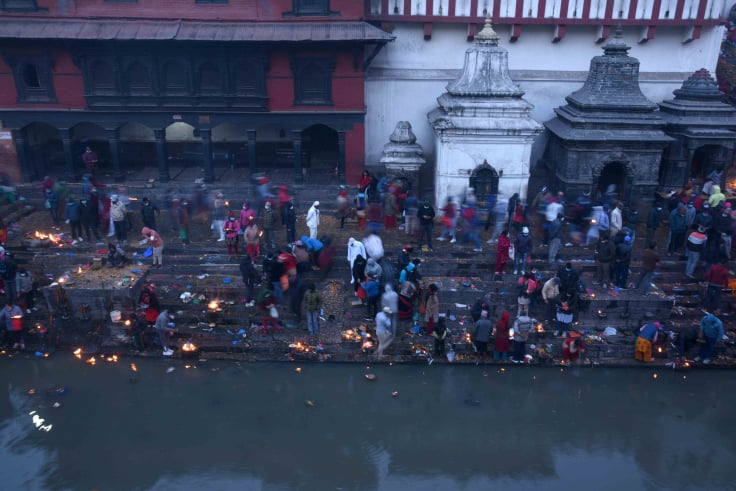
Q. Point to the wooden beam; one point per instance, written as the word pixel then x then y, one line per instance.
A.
pixel 691 34
pixel 559 33
pixel 473 8
pixel 427 31
pixel 472 31
pixel 647 33
pixel 632 10
pixel 515 32
pixel 603 33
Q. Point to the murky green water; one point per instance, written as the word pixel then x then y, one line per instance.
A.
pixel 219 426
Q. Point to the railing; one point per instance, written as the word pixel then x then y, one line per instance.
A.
pixel 567 12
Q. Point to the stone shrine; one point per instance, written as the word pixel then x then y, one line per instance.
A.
pixel 703 127
pixel 402 156
pixel 609 135
pixel 483 128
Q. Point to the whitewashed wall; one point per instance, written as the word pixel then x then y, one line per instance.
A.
pixel 409 74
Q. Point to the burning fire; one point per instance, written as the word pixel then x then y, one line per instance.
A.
pixel 351 335
pixel 133 367
pixel 53 238
pixel 189 347
pixel 213 305
pixel 78 353
pixel 302 348
pixel 540 327
pixel 111 359
pixel 79 270
pixel 467 338
pixel 92 361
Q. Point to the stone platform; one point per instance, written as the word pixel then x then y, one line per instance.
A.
pixel 204 270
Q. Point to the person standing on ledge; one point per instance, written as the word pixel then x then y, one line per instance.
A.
pixel 313 220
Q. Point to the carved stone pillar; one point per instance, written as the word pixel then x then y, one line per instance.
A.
pixel 113 140
pixel 209 170
pixel 27 170
pixel 161 155
pixel 297 141
pixel 66 140
pixel 341 157
pixel 252 164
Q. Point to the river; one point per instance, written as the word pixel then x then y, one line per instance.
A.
pixel 69 425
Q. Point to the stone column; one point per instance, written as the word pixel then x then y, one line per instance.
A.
pixel 209 170
pixel 66 140
pixel 113 139
pixel 27 170
pixel 252 164
pixel 297 141
pixel 161 155
pixel 341 157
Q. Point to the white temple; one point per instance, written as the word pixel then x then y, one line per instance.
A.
pixel 483 118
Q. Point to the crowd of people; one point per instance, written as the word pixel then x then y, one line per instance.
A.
pixel 277 270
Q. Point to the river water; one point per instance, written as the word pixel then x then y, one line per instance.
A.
pixel 289 426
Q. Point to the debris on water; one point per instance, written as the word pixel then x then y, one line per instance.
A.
pixel 56 405
pixel 370 376
pixel 309 403
pixel 170 369
pixel 395 393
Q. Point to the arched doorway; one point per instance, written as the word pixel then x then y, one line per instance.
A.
pixel 95 137
pixel 137 146
pixel 484 181
pixel 46 152
pixel 705 160
pixel 613 179
pixel 320 144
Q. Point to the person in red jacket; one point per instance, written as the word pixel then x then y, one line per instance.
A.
pixel 502 254
pixel 573 348
pixel 231 227
pixel 717 278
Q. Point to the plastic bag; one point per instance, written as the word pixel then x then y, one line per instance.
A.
pixel 148 252
pixel 274 312
pixel 512 251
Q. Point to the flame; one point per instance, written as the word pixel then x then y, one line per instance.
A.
pixel 188 346
pixel 53 238
pixel 111 359
pixel 467 338
pixel 92 361
pixel 133 367
pixel 659 349
pixel 79 270
pixel 213 305
pixel 351 335
pixel 540 327
pixel 127 322
pixel 78 353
